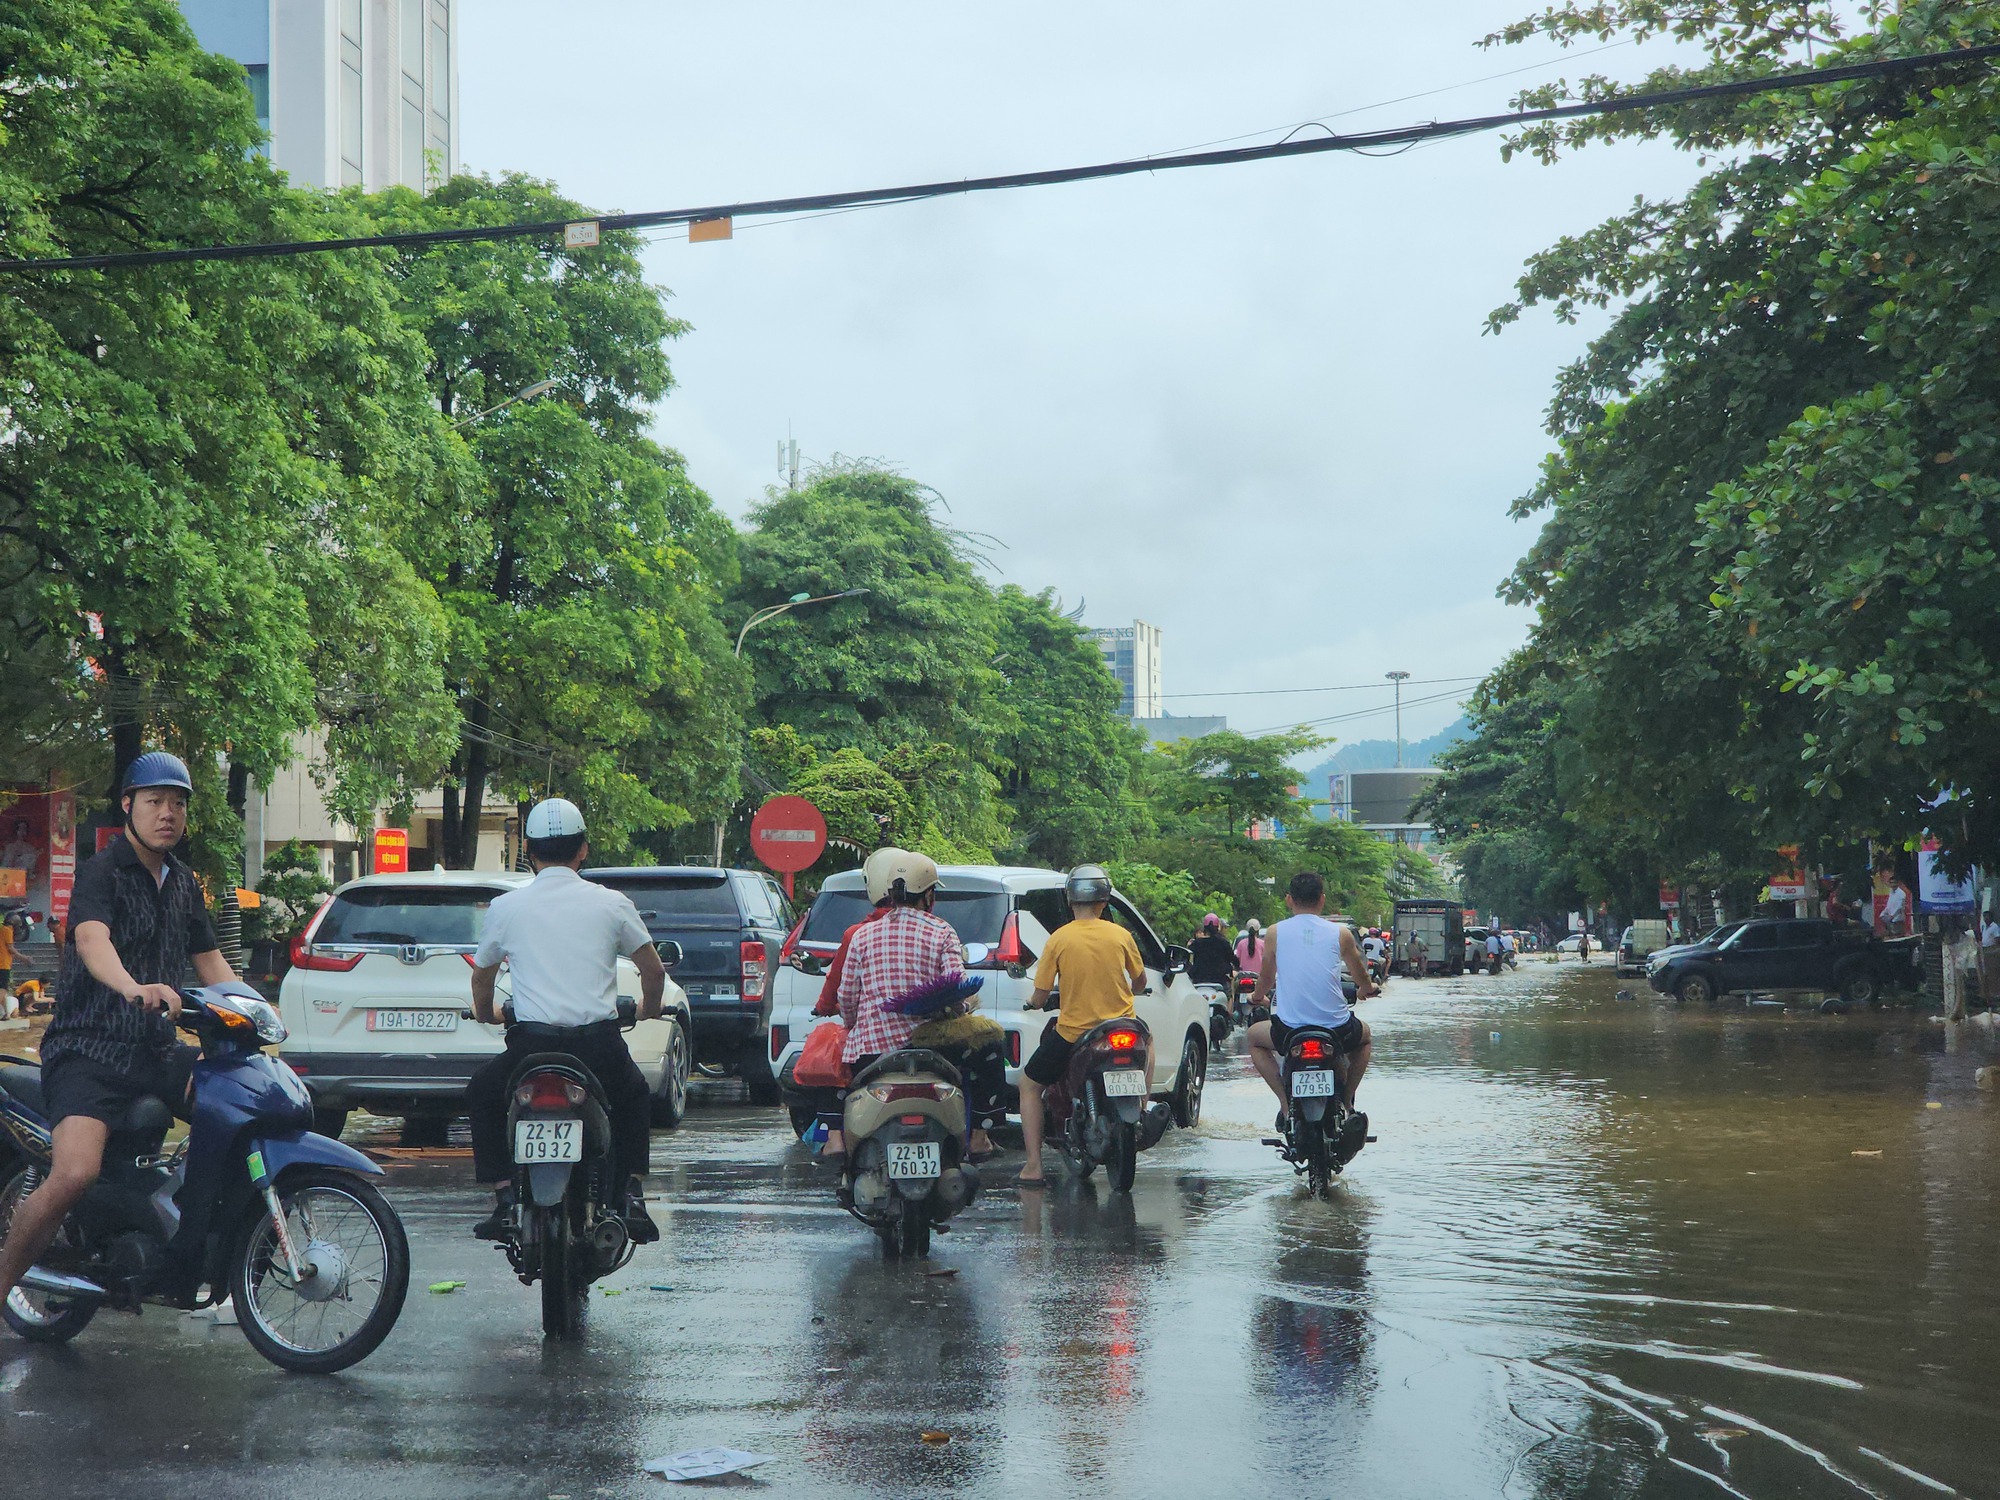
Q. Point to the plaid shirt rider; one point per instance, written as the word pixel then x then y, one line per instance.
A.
pixel 888 957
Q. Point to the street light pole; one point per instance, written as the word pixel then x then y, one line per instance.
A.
pixel 771 612
pixel 539 388
pixel 1398 678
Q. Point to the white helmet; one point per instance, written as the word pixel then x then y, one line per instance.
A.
pixel 554 818
pixel 879 870
pixel 915 873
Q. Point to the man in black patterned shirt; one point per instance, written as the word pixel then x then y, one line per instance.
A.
pixel 136 920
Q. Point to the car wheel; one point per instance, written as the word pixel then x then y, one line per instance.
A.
pixel 1187 1092
pixel 1859 986
pixel 755 1070
pixel 671 1098
pixel 1695 989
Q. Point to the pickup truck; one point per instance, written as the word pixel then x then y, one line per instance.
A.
pixel 1784 954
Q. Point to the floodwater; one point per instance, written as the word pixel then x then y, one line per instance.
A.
pixel 1602 1247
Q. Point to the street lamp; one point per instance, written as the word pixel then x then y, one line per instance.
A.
pixel 773 611
pixel 539 388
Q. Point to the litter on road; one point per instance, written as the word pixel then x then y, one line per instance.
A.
pixel 441 1287
pixel 704 1463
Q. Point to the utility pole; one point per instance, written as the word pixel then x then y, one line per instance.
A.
pixel 788 460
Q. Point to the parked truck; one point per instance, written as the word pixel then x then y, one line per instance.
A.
pixel 1441 924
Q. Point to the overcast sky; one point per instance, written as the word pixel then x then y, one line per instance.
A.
pixel 1252 405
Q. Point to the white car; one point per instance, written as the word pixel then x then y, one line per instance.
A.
pixel 1004 915
pixel 378 1003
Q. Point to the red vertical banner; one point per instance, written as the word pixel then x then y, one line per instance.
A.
pixel 392 851
pixel 62 853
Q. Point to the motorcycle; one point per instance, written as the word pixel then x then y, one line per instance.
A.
pixel 1220 1018
pixel 568 1224
pixel 251 1207
pixel 906 1173
pixel 1097 1113
pixel 1245 1013
pixel 1321 1134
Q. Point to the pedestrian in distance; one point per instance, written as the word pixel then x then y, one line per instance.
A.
pixel 137 921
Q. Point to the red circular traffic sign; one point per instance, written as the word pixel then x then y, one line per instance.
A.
pixel 788 834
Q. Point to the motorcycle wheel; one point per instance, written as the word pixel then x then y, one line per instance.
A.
pixel 565 1275
pixel 916 1231
pixel 1319 1160
pixel 321 1325
pixel 35 1317
pixel 1218 1028
pixel 1124 1158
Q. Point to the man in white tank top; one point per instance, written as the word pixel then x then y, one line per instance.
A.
pixel 1305 961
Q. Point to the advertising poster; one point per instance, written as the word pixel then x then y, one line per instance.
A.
pixel 1937 892
pixel 62 853
pixel 24 849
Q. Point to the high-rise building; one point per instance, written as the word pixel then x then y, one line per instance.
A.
pixel 354 93
pixel 1132 652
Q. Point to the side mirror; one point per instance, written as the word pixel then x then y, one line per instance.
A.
pixel 811 963
pixel 1178 960
pixel 978 953
pixel 670 952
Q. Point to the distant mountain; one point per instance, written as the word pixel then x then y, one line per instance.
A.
pixel 1380 755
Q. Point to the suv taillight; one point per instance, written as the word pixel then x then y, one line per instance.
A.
pixel 788 951
pixel 1007 952
pixel 305 956
pixel 755 967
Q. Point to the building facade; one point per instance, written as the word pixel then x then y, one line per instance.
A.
pixel 354 93
pixel 1132 653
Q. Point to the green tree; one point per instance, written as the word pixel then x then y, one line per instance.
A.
pixel 292 888
pixel 1238 779
pixel 1069 757
pixel 1355 864
pixel 910 662
pixel 580 569
pixel 202 461
pixel 1168 899
pixel 1766 577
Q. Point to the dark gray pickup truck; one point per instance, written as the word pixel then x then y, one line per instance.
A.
pixel 1785 954
pixel 730 925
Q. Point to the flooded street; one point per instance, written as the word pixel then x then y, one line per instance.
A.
pixel 1602 1247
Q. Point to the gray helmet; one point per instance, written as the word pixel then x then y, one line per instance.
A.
pixel 156 768
pixel 1087 885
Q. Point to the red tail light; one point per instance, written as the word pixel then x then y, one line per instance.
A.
pixel 889 1093
pixel 305 956
pixel 1008 951
pixel 548 1091
pixel 1123 1041
pixel 1312 1049
pixel 755 967
pixel 781 1037
pixel 1013 1049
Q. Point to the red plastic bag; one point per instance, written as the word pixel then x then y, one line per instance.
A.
pixel 820 1066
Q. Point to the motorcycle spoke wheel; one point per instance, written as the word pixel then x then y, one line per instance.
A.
pixel 1123 1162
pixel 36 1316
pixel 565 1280
pixel 357 1259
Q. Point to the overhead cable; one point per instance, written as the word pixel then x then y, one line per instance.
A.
pixel 1807 78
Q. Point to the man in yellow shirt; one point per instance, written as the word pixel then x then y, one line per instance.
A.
pixel 1097 965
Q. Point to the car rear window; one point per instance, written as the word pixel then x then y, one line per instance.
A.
pixel 661 898
pixel 437 916
pixel 976 916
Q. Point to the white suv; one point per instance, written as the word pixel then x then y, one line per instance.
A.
pixel 378 1003
pixel 1004 915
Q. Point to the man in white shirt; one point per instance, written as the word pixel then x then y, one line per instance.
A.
pixel 1304 963
pixel 562 936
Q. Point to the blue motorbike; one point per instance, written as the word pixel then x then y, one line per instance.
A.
pixel 250 1207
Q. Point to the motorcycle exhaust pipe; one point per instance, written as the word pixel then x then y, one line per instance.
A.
pixel 57 1284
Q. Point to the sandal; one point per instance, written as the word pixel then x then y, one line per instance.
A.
pixel 1025 1181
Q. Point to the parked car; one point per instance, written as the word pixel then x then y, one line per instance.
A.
pixel 729 923
pixel 1475 949
pixel 1571 944
pixel 1004 916
pixel 1639 942
pixel 1786 953
pixel 378 1003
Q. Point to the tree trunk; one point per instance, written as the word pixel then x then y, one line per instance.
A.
pixel 463 851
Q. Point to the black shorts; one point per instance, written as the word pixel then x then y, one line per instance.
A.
pixel 1051 1059
pixel 1348 1035
pixel 83 1086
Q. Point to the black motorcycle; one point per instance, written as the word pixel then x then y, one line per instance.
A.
pixel 567 1228
pixel 1321 1134
pixel 1097 1113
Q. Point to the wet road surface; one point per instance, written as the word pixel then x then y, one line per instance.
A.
pixel 1602 1247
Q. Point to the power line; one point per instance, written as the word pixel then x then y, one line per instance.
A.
pixel 1361 713
pixel 869 197
pixel 1344 687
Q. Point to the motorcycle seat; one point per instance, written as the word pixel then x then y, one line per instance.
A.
pixel 22 1082
pixel 909 1060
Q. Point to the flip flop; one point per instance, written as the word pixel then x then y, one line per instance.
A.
pixel 976 1157
pixel 1025 1181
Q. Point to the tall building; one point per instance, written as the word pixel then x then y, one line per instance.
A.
pixel 354 93
pixel 1132 652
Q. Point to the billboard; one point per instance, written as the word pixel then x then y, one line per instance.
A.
pixel 1383 797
